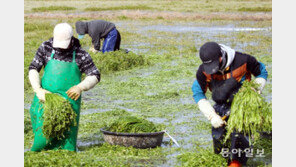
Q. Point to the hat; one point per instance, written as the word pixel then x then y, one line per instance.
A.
pixel 210 53
pixel 81 27
pixel 62 35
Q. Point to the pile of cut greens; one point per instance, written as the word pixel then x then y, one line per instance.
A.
pixel 250 113
pixel 132 124
pixel 58 116
pixel 119 60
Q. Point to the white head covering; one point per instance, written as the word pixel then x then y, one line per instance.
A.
pixel 230 54
pixel 62 35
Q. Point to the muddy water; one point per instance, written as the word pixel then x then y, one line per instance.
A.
pixel 92 141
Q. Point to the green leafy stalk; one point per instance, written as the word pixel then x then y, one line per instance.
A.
pixel 119 60
pixel 58 116
pixel 132 124
pixel 201 157
pixel 250 113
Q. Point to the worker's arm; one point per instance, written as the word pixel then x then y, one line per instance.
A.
pixel 93 76
pixel 259 71
pixel 262 78
pixel 34 69
pixel 88 83
pixel 35 82
pixel 96 41
pixel 39 59
pixel 204 105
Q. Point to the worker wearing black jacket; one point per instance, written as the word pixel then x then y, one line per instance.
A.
pixel 98 29
pixel 223 70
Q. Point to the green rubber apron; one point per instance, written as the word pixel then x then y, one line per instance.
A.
pixel 58 77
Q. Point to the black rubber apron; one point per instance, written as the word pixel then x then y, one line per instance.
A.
pixel 222 94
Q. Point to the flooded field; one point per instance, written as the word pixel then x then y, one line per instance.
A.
pixel 160 91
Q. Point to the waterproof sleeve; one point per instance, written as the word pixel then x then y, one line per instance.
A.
pixel 88 83
pixel 264 73
pixel 199 87
pixel 39 59
pixel 256 68
pixel 198 93
pixel 88 67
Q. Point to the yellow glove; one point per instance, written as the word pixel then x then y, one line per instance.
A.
pixel 74 92
pixel 88 83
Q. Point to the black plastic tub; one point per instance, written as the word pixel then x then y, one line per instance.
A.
pixel 137 140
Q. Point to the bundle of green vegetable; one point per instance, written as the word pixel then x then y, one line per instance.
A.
pixel 119 60
pixel 132 124
pixel 58 116
pixel 250 113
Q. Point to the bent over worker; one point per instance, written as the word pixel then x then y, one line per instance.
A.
pixel 223 70
pixel 64 61
pixel 97 30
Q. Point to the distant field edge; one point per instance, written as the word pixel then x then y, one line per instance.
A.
pixel 254 16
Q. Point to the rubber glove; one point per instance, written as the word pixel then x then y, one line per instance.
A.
pixel 88 83
pixel 74 92
pixel 40 93
pixel 261 82
pixel 35 83
pixel 209 112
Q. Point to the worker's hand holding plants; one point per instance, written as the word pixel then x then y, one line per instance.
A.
pixel 255 90
pixel 35 82
pixel 260 83
pixel 40 93
pixel 74 92
pixel 206 108
pixel 217 121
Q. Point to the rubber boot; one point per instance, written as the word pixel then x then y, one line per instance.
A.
pixel 234 163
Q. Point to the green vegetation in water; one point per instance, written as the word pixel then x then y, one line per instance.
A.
pixel 143 90
pixel 255 9
pixel 58 116
pixel 202 157
pixel 250 113
pixel 266 144
pixel 101 155
pixel 27 122
pixel 263 146
pixel 118 60
pixel 137 7
pixel 52 8
pixel 132 124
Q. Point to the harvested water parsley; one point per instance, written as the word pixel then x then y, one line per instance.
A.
pixel 132 124
pixel 58 116
pixel 250 113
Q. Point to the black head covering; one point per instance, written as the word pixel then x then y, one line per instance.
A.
pixel 210 53
pixel 81 27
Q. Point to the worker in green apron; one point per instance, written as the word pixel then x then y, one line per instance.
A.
pixel 62 75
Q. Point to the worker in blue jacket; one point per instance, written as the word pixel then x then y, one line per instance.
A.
pixel 222 72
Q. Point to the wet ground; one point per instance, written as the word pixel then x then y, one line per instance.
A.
pixel 162 92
